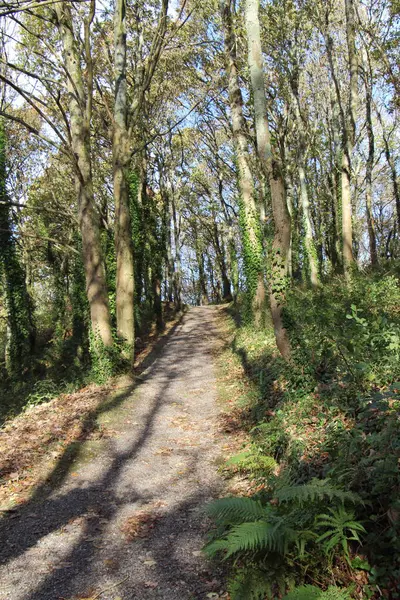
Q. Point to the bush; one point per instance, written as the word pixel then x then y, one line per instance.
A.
pixel 330 418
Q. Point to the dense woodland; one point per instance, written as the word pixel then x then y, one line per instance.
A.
pixel 155 155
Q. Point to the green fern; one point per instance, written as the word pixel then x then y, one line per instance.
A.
pixel 260 535
pixel 341 528
pixel 237 510
pixel 310 592
pixel 249 584
pixel 316 490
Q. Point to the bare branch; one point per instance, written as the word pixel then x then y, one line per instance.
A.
pixel 21 7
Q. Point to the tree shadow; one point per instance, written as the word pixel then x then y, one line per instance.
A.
pixel 93 502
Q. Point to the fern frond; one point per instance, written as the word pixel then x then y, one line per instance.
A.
pixel 236 510
pixel 301 540
pixel 340 529
pixel 310 592
pixel 215 547
pixel 306 592
pixel 316 490
pixel 260 535
pixel 250 584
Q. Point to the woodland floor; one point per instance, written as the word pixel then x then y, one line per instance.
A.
pixel 120 515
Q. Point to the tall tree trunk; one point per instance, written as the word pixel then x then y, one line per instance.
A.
pixel 281 242
pixel 178 264
pixel 348 129
pixel 121 159
pixel 309 244
pixel 393 169
pixel 308 234
pixel 370 160
pixel 203 296
pixel 347 227
pixel 337 255
pixel 349 135
pixel 169 260
pixel 80 100
pixel 220 252
pixel 250 224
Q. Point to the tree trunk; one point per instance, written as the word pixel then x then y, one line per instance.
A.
pixel 121 159
pixel 393 170
pixel 349 134
pixel 169 260
pixel 308 235
pixel 347 227
pixel 203 296
pixel 311 255
pixel 178 265
pixel 337 255
pixel 348 127
pixel 281 242
pixel 370 160
pixel 80 116
pixel 220 252
pixel 250 224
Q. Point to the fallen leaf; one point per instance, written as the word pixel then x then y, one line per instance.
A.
pixel 150 584
pixel 150 562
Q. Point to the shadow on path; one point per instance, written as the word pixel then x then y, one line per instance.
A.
pixel 67 540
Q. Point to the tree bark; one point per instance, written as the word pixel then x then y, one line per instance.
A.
pixel 203 295
pixel 348 128
pixel 349 134
pixel 220 252
pixel 121 160
pixel 304 196
pixel 393 170
pixel 281 242
pixel 370 160
pixel 250 224
pixel 178 264
pixel 80 115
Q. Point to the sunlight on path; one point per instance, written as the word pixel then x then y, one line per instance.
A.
pixel 128 524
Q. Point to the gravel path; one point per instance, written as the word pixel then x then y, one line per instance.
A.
pixel 128 523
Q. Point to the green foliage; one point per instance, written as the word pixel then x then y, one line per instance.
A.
pixel 105 361
pixel 236 510
pixel 252 462
pixel 21 331
pixel 330 422
pixel 253 257
pixel 340 528
pixel 316 490
pixel 350 331
pixel 111 270
pixel 138 232
pixel 283 529
pixel 310 592
pixel 250 584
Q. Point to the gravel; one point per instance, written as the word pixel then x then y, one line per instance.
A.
pixel 130 523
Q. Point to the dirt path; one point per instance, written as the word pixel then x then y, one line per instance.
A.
pixel 127 523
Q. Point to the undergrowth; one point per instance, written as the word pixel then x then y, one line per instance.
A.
pixel 64 364
pixel 323 450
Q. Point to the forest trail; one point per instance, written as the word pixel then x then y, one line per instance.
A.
pixel 128 523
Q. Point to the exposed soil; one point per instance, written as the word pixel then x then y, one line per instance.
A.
pixel 126 519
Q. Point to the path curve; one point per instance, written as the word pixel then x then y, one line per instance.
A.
pixel 153 479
